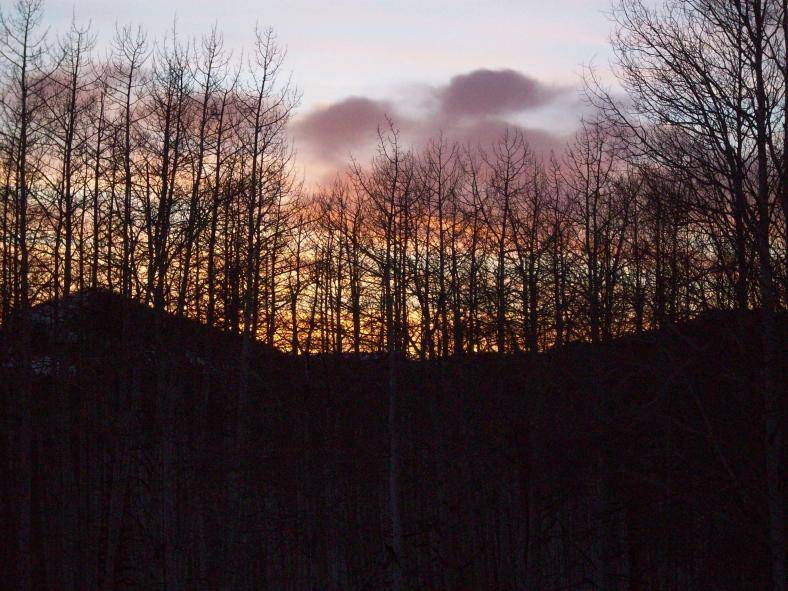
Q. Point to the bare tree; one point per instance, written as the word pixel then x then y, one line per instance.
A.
pixel 23 51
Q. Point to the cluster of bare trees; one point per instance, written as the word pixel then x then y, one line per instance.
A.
pixel 161 171
pixel 164 172
pixel 454 250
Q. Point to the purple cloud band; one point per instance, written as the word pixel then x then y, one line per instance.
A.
pixel 473 108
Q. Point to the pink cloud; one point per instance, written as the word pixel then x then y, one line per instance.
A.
pixel 474 109
pixel 335 129
pixel 494 92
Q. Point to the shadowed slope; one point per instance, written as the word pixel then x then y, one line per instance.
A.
pixel 630 465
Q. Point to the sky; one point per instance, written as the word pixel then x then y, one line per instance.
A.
pixel 466 68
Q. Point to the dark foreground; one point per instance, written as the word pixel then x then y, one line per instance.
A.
pixel 633 465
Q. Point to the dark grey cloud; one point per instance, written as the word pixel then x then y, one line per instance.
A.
pixel 494 92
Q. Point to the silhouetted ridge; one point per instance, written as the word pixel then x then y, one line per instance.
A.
pixel 641 452
pixel 97 315
pixel 100 318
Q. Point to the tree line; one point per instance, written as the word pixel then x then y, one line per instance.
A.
pixel 164 172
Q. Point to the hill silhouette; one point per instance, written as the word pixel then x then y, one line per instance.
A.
pixel 584 467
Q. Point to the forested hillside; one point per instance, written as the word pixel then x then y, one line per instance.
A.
pixel 627 465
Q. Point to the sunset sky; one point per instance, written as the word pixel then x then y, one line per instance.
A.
pixel 468 68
